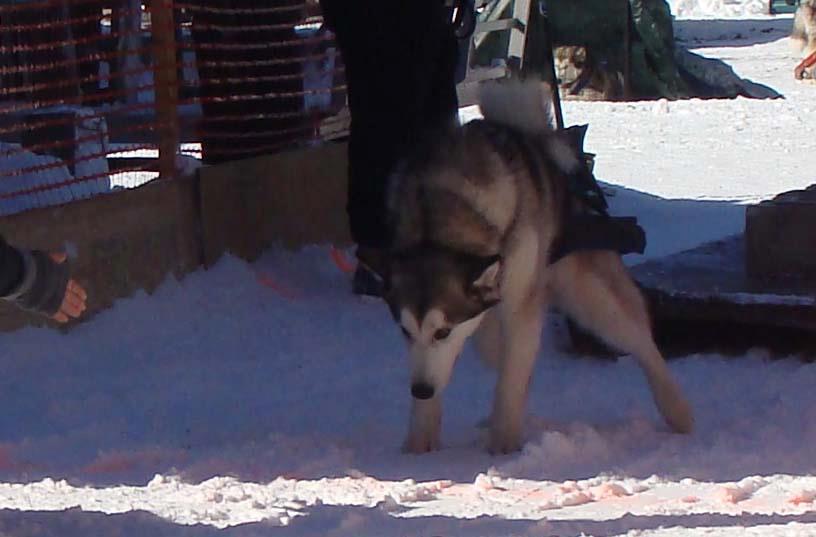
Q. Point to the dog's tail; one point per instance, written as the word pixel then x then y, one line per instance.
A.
pixel 523 104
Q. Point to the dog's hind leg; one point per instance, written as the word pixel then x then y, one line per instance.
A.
pixel 594 289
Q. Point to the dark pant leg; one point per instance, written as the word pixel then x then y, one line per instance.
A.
pixel 400 62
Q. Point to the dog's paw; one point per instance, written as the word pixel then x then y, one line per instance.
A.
pixel 420 443
pixel 673 406
pixel 503 442
pixel 679 416
pixel 424 426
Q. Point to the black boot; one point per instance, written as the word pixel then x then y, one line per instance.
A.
pixel 366 283
pixel 366 280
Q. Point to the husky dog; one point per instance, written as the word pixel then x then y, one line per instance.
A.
pixel 803 35
pixel 584 77
pixel 476 218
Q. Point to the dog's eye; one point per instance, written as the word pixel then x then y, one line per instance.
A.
pixel 405 332
pixel 442 333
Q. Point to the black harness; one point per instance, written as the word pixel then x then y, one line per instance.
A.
pixel 585 220
pixel 586 223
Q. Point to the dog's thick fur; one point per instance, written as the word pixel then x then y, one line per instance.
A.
pixel 803 35
pixel 474 218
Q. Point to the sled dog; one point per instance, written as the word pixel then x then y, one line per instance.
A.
pixel 479 217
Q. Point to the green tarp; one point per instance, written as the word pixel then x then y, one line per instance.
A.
pixel 658 67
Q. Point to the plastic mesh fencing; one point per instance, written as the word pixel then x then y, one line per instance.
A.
pixel 97 95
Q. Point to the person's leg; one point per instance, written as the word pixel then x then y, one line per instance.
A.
pixel 433 62
pixel 400 62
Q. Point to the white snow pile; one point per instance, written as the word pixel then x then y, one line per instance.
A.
pixel 287 502
pixel 23 170
pixel 45 170
pixel 718 9
pixel 255 396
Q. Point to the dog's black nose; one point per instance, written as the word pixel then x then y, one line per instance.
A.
pixel 420 390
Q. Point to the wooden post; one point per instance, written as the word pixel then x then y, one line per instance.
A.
pixel 166 82
pixel 521 13
pixel 544 14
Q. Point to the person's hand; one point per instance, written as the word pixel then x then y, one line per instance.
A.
pixel 73 303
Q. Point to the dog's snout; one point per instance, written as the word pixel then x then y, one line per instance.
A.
pixel 422 390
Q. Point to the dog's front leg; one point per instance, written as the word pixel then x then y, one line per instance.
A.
pixel 425 425
pixel 522 329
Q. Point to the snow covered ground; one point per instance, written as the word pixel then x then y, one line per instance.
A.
pixel 718 9
pixel 265 400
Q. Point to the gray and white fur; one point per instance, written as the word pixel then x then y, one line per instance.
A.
pixel 474 216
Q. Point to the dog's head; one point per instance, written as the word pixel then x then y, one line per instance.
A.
pixel 438 297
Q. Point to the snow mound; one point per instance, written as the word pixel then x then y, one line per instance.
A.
pixel 718 9
pixel 45 170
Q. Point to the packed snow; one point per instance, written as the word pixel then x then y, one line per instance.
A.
pixel 264 399
pixel 718 9
pixel 46 170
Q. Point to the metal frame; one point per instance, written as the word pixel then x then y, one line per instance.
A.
pixel 516 24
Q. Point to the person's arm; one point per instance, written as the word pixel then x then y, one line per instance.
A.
pixel 39 282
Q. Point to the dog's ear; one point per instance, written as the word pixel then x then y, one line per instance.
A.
pixel 575 136
pixel 565 148
pixel 485 277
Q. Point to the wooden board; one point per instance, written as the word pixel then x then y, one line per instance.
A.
pixel 702 300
